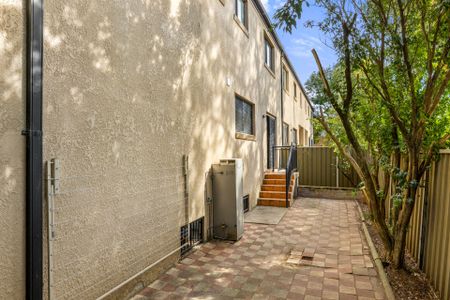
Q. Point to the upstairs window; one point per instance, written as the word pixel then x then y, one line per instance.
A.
pixel 241 11
pixel 294 136
pixel 268 54
pixel 285 78
pixel 244 116
pixel 285 134
pixel 295 91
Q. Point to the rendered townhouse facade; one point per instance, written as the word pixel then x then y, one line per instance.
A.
pixel 139 99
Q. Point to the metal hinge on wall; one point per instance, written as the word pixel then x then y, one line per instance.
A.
pixel 53 188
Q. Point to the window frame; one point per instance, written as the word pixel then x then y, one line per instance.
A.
pixel 285 78
pixel 240 134
pixel 269 44
pixel 245 13
pixel 295 136
pixel 295 91
pixel 285 134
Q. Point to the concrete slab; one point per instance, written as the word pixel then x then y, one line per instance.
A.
pixel 265 215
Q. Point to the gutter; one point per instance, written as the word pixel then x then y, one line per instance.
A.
pixel 33 133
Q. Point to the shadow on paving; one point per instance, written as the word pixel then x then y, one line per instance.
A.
pixel 317 251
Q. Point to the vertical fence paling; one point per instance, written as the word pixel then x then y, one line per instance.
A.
pixel 430 225
pixel 317 166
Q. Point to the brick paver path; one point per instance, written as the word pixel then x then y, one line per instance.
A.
pixel 267 263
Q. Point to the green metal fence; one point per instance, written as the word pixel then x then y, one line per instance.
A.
pixel 320 166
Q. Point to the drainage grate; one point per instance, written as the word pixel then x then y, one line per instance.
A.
pixel 246 200
pixel 196 235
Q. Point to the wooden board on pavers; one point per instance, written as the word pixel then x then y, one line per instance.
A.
pixel 308 253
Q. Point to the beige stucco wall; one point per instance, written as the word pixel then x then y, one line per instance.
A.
pixel 120 87
pixel 296 110
pixel 129 88
pixel 12 151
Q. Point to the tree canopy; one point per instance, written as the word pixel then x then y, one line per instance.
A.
pixel 386 103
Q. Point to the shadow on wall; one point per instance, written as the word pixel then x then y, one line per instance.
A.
pixel 12 150
pixel 129 88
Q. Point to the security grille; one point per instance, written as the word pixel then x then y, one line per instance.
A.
pixel 188 239
pixel 246 201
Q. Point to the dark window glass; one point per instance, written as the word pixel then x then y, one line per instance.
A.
pixel 285 134
pixel 285 78
pixel 268 51
pixel 244 116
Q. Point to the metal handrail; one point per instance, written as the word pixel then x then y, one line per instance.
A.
pixel 279 156
pixel 290 167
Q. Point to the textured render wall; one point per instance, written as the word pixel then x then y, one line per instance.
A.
pixel 12 151
pixel 130 87
pixel 295 110
pixel 228 53
pixel 119 89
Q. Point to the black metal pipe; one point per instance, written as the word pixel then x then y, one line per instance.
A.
pixel 33 133
pixel 281 96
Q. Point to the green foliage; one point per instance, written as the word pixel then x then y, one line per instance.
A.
pixel 287 16
pixel 388 96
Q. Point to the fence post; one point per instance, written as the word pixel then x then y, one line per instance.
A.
pixel 337 171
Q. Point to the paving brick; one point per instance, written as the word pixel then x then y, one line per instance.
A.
pixel 315 252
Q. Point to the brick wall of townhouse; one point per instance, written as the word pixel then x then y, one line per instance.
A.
pixel 130 87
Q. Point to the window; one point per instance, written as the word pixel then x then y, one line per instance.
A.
pixel 244 116
pixel 241 11
pixel 295 91
pixel 268 54
pixel 285 78
pixel 294 136
pixel 285 134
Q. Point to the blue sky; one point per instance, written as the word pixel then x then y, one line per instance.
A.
pixel 299 43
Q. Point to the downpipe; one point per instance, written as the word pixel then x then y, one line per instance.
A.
pixel 33 134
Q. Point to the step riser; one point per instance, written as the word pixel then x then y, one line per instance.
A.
pixel 275 203
pixel 275 188
pixel 274 195
pixel 275 176
pixel 276 182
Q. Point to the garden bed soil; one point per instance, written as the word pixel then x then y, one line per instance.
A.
pixel 408 283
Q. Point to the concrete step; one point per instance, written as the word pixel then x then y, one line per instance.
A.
pixel 272 202
pixel 274 176
pixel 275 188
pixel 276 182
pixel 273 195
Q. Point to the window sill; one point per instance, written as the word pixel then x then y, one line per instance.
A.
pixel 244 136
pixel 242 26
pixel 270 70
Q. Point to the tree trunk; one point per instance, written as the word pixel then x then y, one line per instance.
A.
pixel 398 251
pixel 380 223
